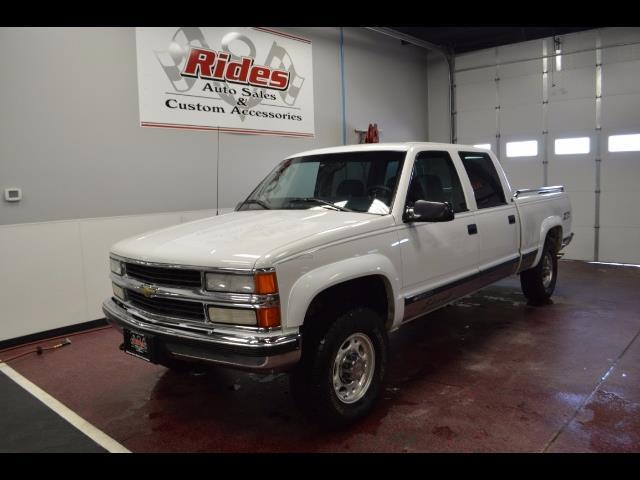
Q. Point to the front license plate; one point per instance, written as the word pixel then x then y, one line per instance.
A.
pixel 138 344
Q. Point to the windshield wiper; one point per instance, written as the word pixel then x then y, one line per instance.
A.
pixel 257 202
pixel 323 202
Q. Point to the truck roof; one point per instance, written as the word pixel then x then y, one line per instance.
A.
pixel 398 146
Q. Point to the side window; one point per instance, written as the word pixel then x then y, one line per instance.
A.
pixel 484 179
pixel 435 179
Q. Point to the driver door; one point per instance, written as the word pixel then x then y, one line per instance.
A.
pixel 438 259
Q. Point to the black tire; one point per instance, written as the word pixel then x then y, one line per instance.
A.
pixel 535 284
pixel 312 381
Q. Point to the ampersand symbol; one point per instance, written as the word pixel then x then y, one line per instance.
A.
pixel 242 101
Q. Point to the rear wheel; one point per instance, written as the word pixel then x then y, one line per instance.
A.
pixel 539 282
pixel 340 375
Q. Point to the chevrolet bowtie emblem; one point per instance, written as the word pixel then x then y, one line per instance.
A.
pixel 148 291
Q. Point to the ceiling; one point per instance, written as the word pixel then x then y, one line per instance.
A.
pixel 467 39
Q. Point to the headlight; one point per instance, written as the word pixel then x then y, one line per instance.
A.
pixel 229 282
pixel 116 266
pixel 262 283
pixel 237 316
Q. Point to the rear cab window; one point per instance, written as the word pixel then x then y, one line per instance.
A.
pixel 484 179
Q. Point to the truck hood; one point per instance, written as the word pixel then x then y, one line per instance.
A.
pixel 239 239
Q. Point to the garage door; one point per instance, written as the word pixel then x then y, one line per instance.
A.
pixel 564 112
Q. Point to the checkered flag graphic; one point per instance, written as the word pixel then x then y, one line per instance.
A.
pixel 172 60
pixel 279 59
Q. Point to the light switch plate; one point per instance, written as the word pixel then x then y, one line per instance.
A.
pixel 13 194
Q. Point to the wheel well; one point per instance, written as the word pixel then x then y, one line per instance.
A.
pixel 373 291
pixel 554 237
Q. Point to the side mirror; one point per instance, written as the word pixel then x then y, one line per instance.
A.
pixel 424 211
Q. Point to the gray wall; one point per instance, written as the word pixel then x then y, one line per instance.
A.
pixel 438 97
pixel 70 134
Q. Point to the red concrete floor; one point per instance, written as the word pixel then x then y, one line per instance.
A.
pixel 489 374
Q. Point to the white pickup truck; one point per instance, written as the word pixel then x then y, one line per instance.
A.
pixel 333 250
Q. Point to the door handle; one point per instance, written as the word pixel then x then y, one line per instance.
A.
pixel 472 229
pixel 512 219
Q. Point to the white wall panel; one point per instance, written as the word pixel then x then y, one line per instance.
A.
pixel 620 208
pixel 56 274
pixel 487 74
pixel 581 247
pixel 42 283
pixel 522 69
pixel 477 126
pixel 520 90
pixel 621 78
pixel 621 113
pixel 620 244
pixel 475 96
pixel 522 122
pixel 572 84
pixel 621 172
pixel 572 116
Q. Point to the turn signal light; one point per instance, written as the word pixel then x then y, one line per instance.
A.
pixel 268 317
pixel 266 283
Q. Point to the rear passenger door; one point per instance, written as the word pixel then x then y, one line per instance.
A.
pixel 496 218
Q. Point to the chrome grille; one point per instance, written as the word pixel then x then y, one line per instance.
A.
pixel 166 306
pixel 177 277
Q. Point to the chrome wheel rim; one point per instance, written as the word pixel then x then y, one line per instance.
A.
pixel 353 368
pixel 547 270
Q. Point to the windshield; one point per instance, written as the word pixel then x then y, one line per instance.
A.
pixel 349 181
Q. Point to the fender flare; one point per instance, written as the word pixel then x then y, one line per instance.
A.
pixel 312 283
pixel 547 224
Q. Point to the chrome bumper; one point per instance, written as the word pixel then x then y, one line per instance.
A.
pixel 246 351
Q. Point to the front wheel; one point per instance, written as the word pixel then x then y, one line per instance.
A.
pixel 539 282
pixel 340 375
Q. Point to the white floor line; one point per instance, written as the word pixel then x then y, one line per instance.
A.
pixel 73 418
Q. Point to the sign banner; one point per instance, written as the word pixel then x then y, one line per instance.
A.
pixel 238 80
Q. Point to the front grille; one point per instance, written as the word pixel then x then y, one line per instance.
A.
pixel 164 276
pixel 166 306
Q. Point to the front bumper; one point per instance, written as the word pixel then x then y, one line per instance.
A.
pixel 246 351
